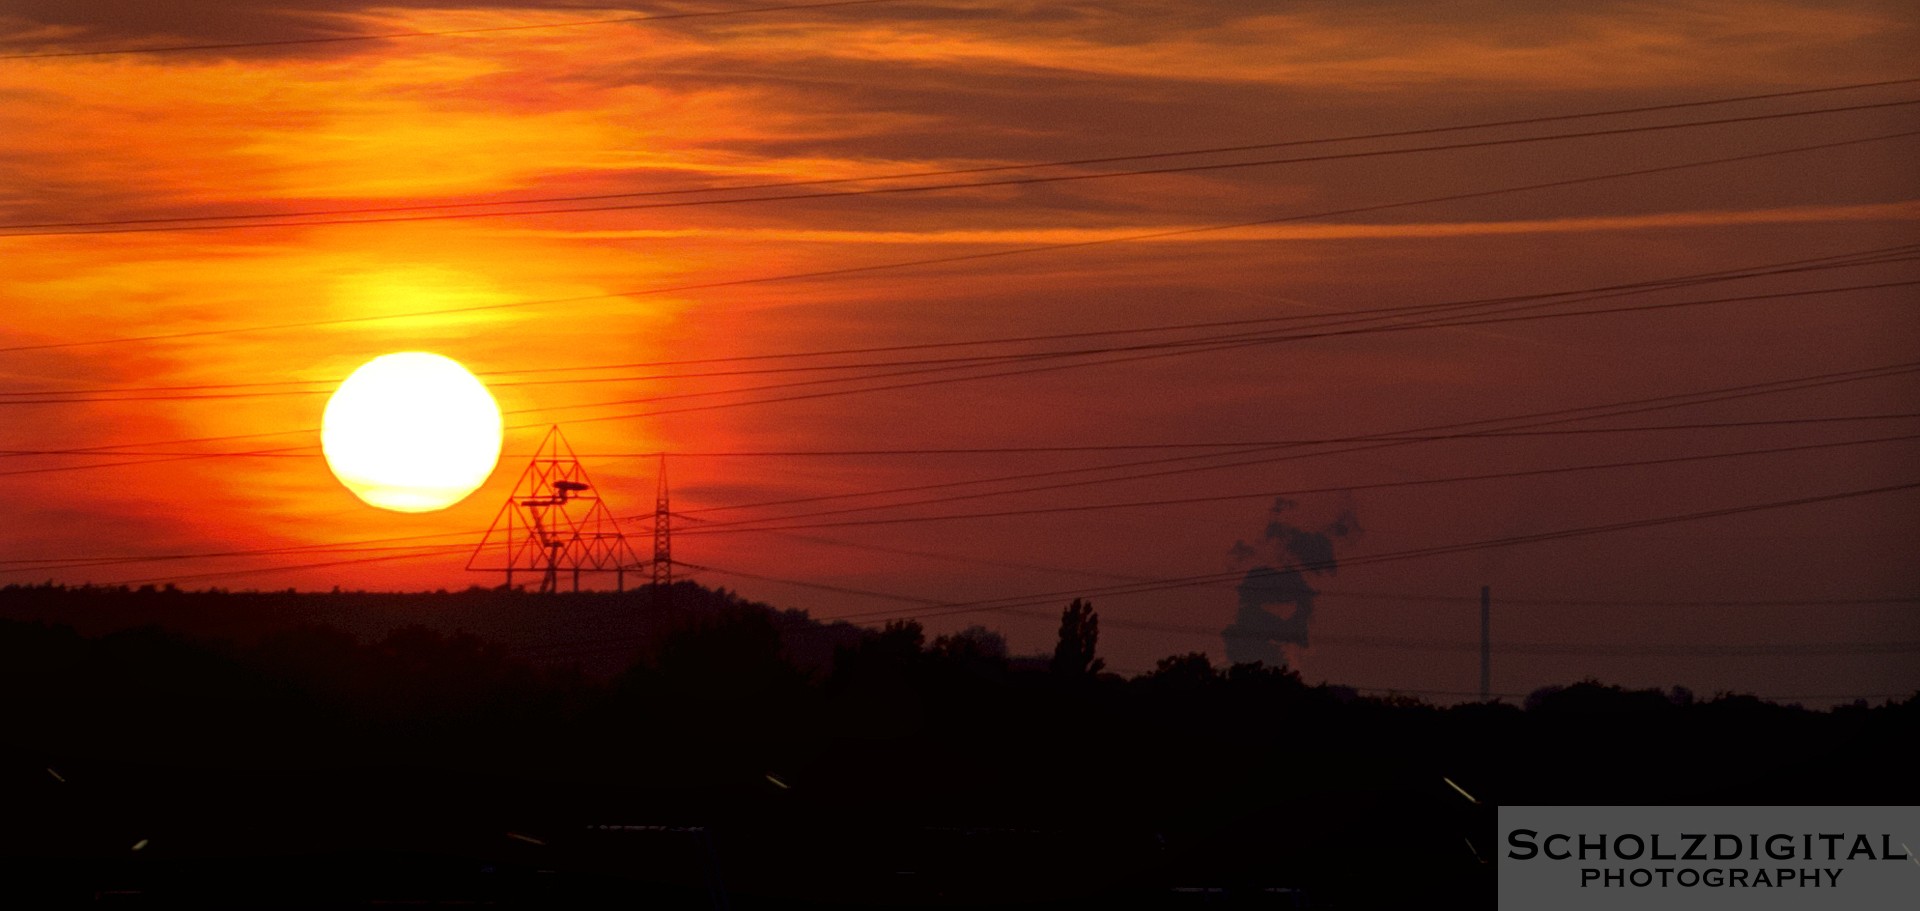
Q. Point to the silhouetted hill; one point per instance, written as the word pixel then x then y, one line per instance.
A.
pixel 601 632
pixel 256 740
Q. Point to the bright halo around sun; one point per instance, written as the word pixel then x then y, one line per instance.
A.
pixel 411 432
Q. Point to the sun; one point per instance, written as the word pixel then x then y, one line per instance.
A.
pixel 411 432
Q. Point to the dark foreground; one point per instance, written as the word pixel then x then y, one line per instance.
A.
pixel 343 856
pixel 736 762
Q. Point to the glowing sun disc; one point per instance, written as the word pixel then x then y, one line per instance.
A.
pixel 411 432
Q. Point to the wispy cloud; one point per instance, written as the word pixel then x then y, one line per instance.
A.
pixel 1908 210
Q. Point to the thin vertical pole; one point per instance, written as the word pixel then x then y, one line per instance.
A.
pixel 1486 643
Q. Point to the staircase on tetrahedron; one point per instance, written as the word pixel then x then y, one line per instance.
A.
pixel 555 522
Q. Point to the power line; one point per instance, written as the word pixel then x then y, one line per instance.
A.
pixel 1159 349
pixel 1199 345
pixel 701 408
pixel 1613 649
pixel 323 217
pixel 158 460
pixel 1766 602
pixel 1657 404
pixel 1609 649
pixel 1203 344
pixel 356 561
pixel 748 524
pixel 1714 650
pixel 983 169
pixel 1553 417
pixel 1855 259
pixel 820 586
pixel 386 36
pixel 1869 256
pixel 1525 420
pixel 1189 581
pixel 309 452
pixel 143 227
pixel 929 555
pixel 71 562
pixel 785 531
pixel 1475 694
pixel 1624 650
pixel 1772 268
pixel 1192 581
pixel 1385 440
pixel 948 365
pixel 569 648
pixel 824 624
pixel 1465 599
pixel 600 646
pixel 383 545
pixel 847 271
pixel 1253 341
pixel 1393 556
pixel 1373 596
pixel 1334 595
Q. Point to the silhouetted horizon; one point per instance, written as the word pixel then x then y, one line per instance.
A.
pixel 787 767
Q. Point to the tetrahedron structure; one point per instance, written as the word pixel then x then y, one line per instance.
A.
pixel 555 521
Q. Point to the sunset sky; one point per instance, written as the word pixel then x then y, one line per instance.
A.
pixel 198 243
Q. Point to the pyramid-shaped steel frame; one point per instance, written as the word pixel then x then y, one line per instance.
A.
pixel 554 521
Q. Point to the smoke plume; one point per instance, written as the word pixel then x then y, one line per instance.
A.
pixel 1276 601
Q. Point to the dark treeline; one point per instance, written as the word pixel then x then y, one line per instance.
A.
pixel 601 632
pixel 741 756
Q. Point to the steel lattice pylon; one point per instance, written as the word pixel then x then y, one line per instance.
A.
pixel 555 520
pixel 662 533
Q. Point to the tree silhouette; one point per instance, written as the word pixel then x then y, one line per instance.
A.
pixel 881 664
pixel 827 782
pixel 1079 633
pixel 975 645
pixel 1189 672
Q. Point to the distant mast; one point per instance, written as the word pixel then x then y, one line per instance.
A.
pixel 1486 643
pixel 662 540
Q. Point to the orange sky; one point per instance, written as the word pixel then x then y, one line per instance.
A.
pixel 678 104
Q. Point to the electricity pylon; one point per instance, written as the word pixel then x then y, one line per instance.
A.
pixel 662 540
